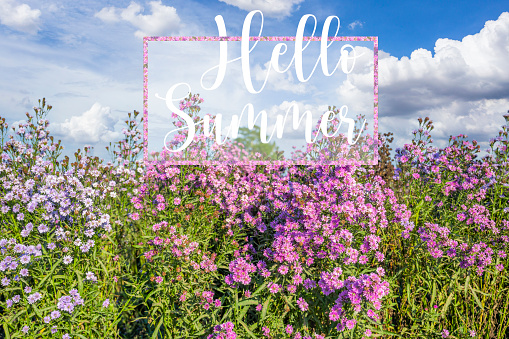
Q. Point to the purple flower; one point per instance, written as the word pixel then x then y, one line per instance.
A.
pixel 303 305
pixel 33 298
pixel 273 288
pixel 6 281
pixel 91 276
pixel 25 329
pixel 55 315
pixel 23 272
pixel 265 331
pixel 16 298
pixel 27 289
pixel 445 333
pixel 67 259
pixel 66 336
pixel 350 324
pixel 24 259
pixel 106 303
pixel 42 228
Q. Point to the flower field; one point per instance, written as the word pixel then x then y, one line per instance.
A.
pixel 412 248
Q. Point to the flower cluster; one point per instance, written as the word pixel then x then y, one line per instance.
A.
pixel 223 331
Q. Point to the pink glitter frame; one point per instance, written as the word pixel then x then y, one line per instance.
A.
pixel 146 40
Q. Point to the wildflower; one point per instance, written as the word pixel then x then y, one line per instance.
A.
pixel 445 333
pixel 33 298
pixel 283 269
pixel 303 305
pixel 106 303
pixel 159 279
pixel 5 281
pixel 55 315
pixel 91 276
pixel 273 288
pixel 367 333
pixel 265 331
pixel 16 298
pixel 350 324
pixel 54 330
pixel 23 272
pixel 473 333
pixel 27 289
pixel 67 259
pixel 25 259
pixel 289 329
pixel 66 336
pixel 42 228
pixel 25 329
pixel 259 307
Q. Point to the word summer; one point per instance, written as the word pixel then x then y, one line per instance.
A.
pixel 232 130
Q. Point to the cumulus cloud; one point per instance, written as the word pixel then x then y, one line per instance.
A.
pixel 355 24
pixel 19 17
pixel 273 8
pixel 163 20
pixel 279 81
pixel 470 70
pixel 463 87
pixel 93 126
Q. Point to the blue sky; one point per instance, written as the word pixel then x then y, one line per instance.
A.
pixel 445 59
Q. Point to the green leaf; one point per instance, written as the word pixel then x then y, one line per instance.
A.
pixel 50 273
pixel 247 329
pixel 265 307
pixel 476 298
pixel 156 331
pixel 447 303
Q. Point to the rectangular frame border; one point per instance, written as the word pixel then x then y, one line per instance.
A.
pixel 146 40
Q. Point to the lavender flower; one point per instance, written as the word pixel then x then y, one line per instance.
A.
pixel 33 298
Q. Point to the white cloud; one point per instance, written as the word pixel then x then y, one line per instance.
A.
pixel 473 69
pixel 274 8
pixel 163 20
pixel 19 16
pixel 108 14
pixel 463 87
pixel 279 81
pixel 355 24
pixel 93 126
